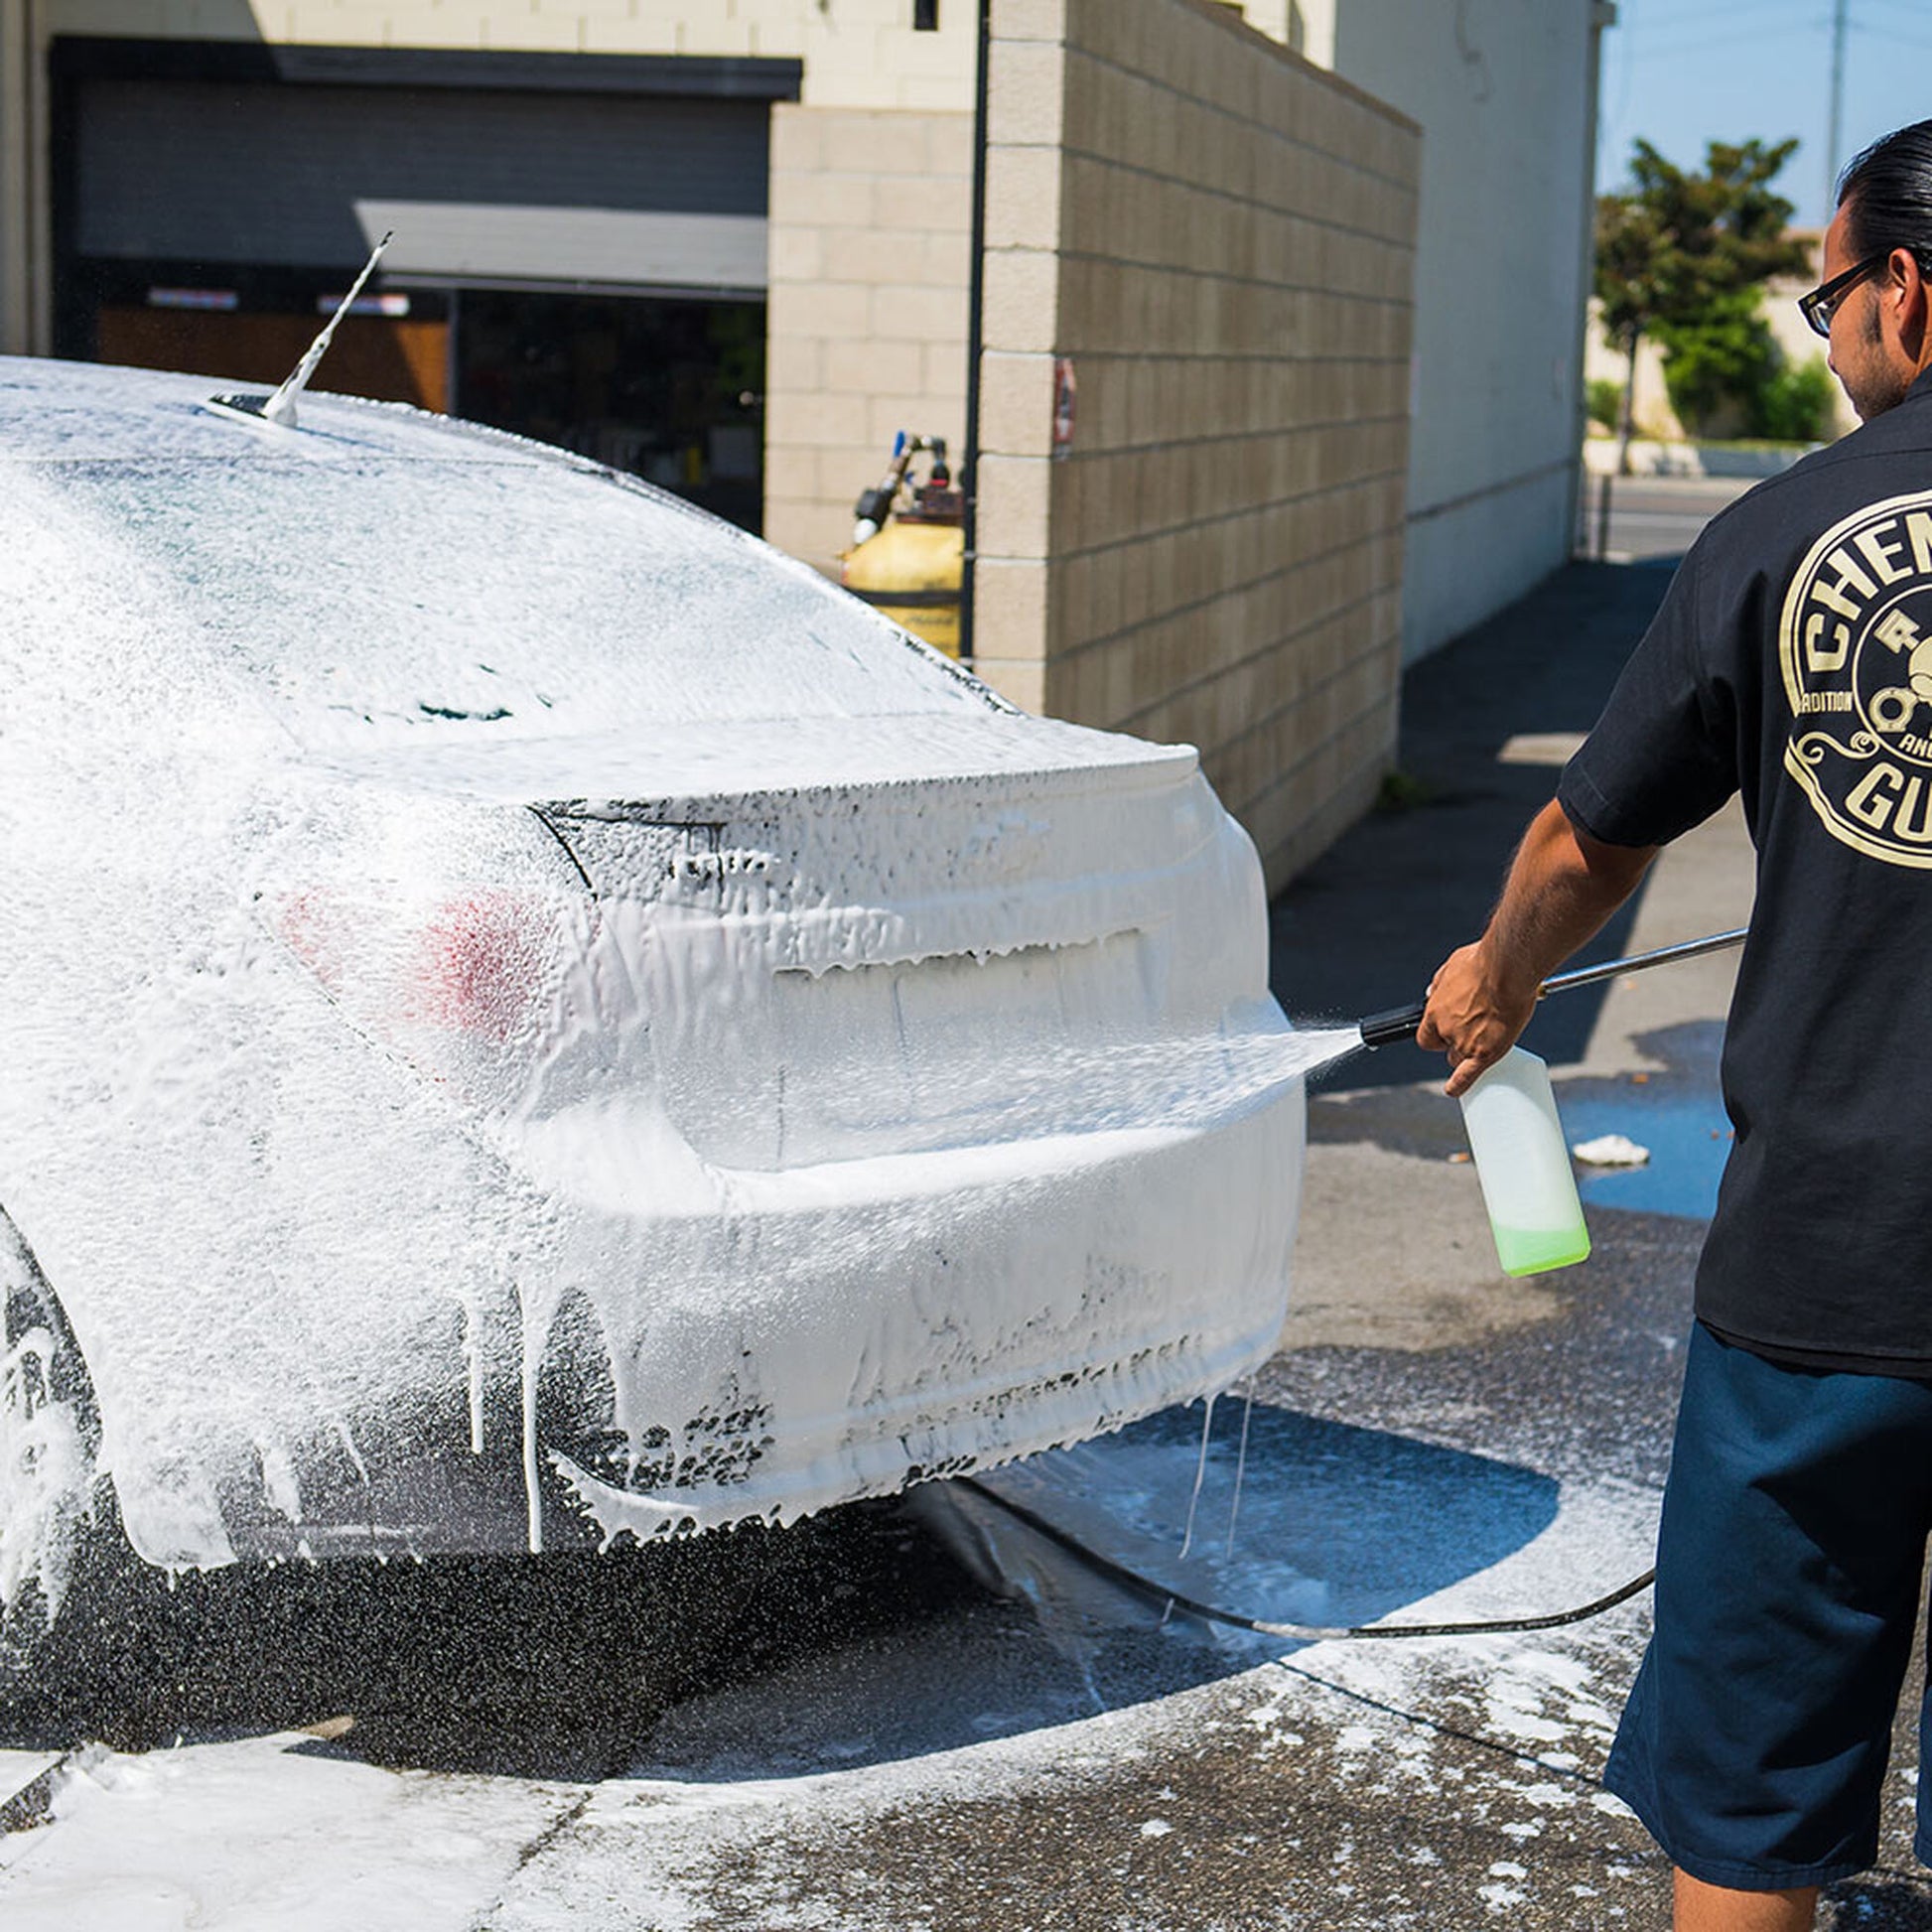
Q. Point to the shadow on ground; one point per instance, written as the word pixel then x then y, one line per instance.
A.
pixel 1335 1523
pixel 1364 927
pixel 1280 1516
pixel 548 1666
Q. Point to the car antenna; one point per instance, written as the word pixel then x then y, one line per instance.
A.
pixel 280 407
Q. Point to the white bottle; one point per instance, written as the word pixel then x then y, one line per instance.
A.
pixel 1524 1167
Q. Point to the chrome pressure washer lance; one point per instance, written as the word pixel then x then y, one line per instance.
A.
pixel 1400 1022
pixel 1524 1168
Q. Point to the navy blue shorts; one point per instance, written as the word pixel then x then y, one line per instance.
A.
pixel 1788 1573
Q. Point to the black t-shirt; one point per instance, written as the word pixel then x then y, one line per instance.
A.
pixel 1792 661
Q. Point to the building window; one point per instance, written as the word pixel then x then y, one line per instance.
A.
pixel 925 15
pixel 669 388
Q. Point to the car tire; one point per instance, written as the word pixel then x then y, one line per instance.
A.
pixel 49 1439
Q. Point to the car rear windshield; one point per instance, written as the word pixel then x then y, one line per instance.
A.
pixel 376 597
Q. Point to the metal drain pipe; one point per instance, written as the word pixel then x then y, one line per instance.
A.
pixel 969 470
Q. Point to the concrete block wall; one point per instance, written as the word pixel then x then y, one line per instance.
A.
pixel 870 234
pixel 857 53
pixel 1220 238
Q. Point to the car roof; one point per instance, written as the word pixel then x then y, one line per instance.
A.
pixel 53 411
pixel 375 577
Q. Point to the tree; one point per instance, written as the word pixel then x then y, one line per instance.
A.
pixel 1718 366
pixel 1674 245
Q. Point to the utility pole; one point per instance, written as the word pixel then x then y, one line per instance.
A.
pixel 1840 21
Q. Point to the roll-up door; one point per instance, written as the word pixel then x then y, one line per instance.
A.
pixel 480 186
pixel 579 248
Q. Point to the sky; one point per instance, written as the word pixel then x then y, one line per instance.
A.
pixel 1681 73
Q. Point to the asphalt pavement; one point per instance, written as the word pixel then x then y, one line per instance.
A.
pixel 1652 518
pixel 847 1727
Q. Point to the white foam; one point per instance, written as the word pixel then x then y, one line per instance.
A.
pixel 502 967
pixel 253 1835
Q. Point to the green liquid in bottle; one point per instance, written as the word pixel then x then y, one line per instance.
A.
pixel 1533 1251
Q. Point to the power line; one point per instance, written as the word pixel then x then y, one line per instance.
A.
pixel 1736 23
pixel 1890 35
pixel 1834 127
pixel 1725 9
pixel 1645 53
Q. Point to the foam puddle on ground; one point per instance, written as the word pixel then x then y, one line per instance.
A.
pixel 258 1834
pixel 768 1802
pixel 1275 1515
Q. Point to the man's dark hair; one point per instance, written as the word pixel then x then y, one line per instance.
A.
pixel 1886 193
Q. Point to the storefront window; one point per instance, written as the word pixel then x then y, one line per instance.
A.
pixel 668 388
pixel 671 390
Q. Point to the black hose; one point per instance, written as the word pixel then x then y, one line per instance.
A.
pixel 1173 1600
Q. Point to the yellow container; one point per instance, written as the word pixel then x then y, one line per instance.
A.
pixel 912 571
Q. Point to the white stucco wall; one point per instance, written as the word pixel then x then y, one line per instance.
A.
pixel 1504 92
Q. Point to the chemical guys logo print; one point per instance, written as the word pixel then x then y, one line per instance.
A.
pixel 1855 643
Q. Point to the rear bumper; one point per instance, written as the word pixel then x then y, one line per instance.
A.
pixel 809 1337
pixel 825 1333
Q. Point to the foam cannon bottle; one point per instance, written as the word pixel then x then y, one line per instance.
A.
pixel 1523 1162
pixel 1516 1135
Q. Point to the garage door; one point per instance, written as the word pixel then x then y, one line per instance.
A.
pixel 480 186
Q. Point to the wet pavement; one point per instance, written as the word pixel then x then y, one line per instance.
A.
pixel 847 1727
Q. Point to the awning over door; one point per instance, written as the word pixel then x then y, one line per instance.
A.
pixel 479 184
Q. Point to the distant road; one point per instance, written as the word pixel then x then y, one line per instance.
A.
pixel 1653 518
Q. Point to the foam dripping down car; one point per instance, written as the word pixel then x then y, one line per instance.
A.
pixel 530 1016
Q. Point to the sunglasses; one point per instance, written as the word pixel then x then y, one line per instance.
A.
pixel 1821 303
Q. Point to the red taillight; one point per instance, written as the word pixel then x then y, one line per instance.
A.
pixel 479 966
pixel 474 965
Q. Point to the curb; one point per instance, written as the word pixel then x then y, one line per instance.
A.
pixel 1649 458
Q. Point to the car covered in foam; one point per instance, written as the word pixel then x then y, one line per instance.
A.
pixel 529 1016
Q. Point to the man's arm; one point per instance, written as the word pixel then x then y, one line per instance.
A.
pixel 1561 886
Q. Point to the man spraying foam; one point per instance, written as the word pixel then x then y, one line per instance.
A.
pixel 1788 664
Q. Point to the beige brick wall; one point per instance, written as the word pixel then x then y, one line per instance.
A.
pixel 1221 238
pixel 857 53
pixel 869 244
